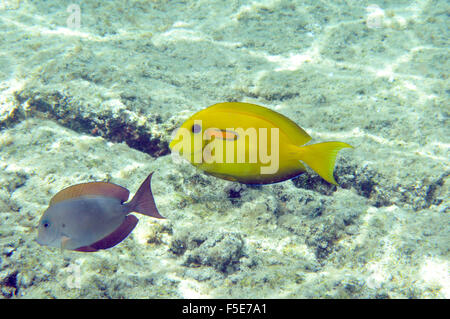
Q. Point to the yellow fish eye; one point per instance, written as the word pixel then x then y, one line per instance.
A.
pixel 196 128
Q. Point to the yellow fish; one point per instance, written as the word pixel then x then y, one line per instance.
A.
pixel 251 144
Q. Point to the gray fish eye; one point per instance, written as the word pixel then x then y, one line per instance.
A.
pixel 45 223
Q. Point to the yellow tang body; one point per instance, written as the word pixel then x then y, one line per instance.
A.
pixel 251 144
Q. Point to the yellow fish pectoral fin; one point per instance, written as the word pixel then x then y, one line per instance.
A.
pixel 228 135
pixel 321 158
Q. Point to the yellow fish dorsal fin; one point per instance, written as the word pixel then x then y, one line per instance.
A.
pixel 296 134
pixel 93 189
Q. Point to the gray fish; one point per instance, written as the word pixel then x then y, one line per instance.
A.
pixel 91 216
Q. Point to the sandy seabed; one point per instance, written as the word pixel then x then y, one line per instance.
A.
pixel 98 98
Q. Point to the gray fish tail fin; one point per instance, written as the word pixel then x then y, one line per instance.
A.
pixel 143 201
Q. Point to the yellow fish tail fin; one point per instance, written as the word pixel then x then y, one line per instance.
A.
pixel 321 158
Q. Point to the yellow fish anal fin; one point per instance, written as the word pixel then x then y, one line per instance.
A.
pixel 228 135
pixel 321 158
pixel 93 188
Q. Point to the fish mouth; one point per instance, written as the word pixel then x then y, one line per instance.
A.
pixel 171 144
pixel 42 242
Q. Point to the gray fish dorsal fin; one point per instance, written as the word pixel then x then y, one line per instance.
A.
pixel 115 237
pixel 93 188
